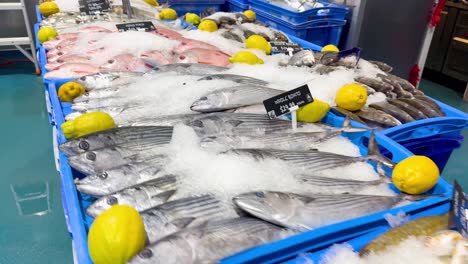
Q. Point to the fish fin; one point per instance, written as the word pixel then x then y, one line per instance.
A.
pixel 154 64
pixel 165 196
pixel 410 197
pixel 383 177
pixel 235 123
pixel 183 222
pixel 375 155
pixel 347 127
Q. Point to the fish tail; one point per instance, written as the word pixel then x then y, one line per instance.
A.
pixel 375 155
pixel 419 197
pixel 383 177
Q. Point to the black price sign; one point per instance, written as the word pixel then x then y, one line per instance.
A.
pixel 91 7
pixel 284 47
pixel 282 104
pixel 459 209
pixel 137 26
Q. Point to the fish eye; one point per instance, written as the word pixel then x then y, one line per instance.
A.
pixel 91 156
pixel 182 57
pixel 83 78
pixel 112 200
pixel 83 145
pixel 197 123
pixel 146 253
pixel 103 175
pixel 204 98
pixel 260 194
pixel 209 78
pixel 111 61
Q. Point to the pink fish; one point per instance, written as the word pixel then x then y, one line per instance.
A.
pixel 204 56
pixel 187 44
pixel 168 33
pixel 94 29
pixel 59 51
pixel 54 42
pixel 159 57
pixel 125 62
pixel 72 70
pixel 66 42
pixel 72 58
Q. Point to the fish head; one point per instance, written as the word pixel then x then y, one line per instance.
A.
pixel 117 63
pixel 186 57
pixel 93 161
pixel 104 203
pixel 211 102
pixel 275 207
pixel 158 56
pixel 170 250
pixel 90 142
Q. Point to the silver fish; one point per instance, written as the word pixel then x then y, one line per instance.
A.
pixel 393 110
pixel 141 197
pixel 251 109
pixel 235 78
pixel 113 180
pixel 411 110
pixel 173 216
pixel 377 116
pixel 98 94
pixel 107 79
pixel 130 137
pixel 233 97
pixel 92 162
pixel 210 242
pixel 422 106
pixel 185 68
pixel 302 58
pixel 307 212
pixel 340 186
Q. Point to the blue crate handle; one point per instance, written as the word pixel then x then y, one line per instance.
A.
pixel 322 23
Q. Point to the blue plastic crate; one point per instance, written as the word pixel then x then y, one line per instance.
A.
pixel 360 242
pixel 236 6
pixel 78 223
pixel 190 6
pixel 329 11
pixel 38 14
pixel 321 31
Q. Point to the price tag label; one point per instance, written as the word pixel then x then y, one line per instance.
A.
pixel 286 102
pixel 92 7
pixel 459 209
pixel 284 47
pixel 137 26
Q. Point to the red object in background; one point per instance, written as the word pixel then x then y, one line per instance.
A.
pixel 436 14
pixel 414 75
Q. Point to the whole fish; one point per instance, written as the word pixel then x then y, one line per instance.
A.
pixel 98 94
pixel 377 116
pixel 376 84
pixel 232 36
pixel 397 87
pixel 430 102
pixel 406 85
pixel 393 110
pixel 306 212
pixel 411 110
pixel 235 78
pixel 341 111
pixel 72 70
pixel 52 65
pixel 113 180
pixel 185 68
pixel 188 44
pixel 204 56
pixel 91 162
pixel 168 33
pixel 210 242
pixel 103 80
pixel 115 137
pixel 290 141
pixel 233 97
pixel 173 216
pixel 56 41
pixel 141 197
pixel 427 109
pixel 423 226
pixel 250 109
pixel 382 66
pixel 302 58
pixel 160 57
pixel 125 62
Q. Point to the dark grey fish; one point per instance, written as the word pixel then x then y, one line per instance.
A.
pixel 411 110
pixel 232 36
pixel 427 109
pixel 393 110
pixel 377 116
pixel 341 111
pixel 310 211
pixel 404 83
pixel 324 69
pixel 302 58
pixel 235 78
pixel 431 103
pixel 173 216
pixel 141 197
pixel 397 88
pixel 210 242
pixel 281 37
pixel 382 66
pixel 118 136
pixel 376 84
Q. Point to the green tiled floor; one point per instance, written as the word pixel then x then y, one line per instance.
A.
pixel 32 227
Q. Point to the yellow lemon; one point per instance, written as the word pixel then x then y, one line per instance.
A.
pixel 313 112
pixel 168 14
pixel 87 124
pixel 152 2
pixel 46 34
pixel 192 18
pixel 69 91
pixel 351 97
pixel 415 175
pixel 250 14
pixel 208 25
pixel 258 42
pixel 330 48
pixel 48 8
pixel 245 57
pixel 116 235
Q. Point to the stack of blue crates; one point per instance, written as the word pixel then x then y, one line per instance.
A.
pixel 321 26
pixel 193 6
pixel 236 5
